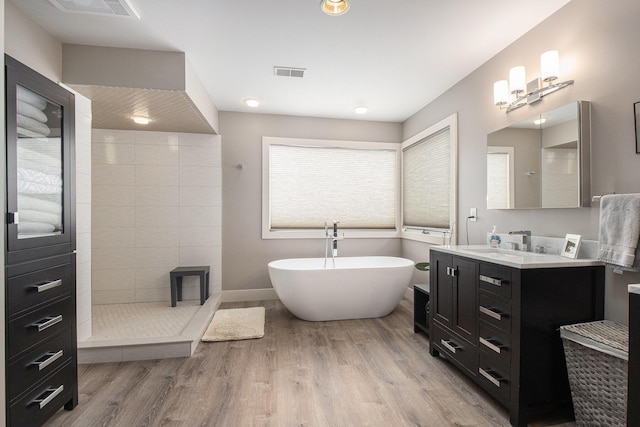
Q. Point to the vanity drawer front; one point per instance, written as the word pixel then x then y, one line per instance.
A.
pixel 37 326
pixel 495 279
pixel 40 362
pixel 43 400
pixel 456 348
pixel 495 312
pixel 494 378
pixel 495 344
pixel 29 290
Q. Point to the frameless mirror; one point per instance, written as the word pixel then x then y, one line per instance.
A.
pixel 541 162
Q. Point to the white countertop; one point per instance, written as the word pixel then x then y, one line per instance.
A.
pixel 634 289
pixel 517 259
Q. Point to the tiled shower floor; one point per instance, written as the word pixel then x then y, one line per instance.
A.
pixel 142 331
pixel 141 320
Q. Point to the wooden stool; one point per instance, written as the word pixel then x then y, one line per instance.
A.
pixel 176 276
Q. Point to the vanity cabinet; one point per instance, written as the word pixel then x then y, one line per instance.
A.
pixel 40 266
pixel 454 330
pixel 500 326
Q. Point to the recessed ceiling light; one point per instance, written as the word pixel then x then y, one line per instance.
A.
pixel 361 109
pixel 251 102
pixel 141 120
pixel 540 121
pixel 334 7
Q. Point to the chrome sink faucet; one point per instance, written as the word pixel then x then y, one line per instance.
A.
pixel 525 244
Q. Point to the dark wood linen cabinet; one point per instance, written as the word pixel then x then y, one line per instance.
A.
pixel 40 272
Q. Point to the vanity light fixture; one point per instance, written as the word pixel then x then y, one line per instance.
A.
pixel 251 102
pixel 361 109
pixel 141 120
pixel 517 92
pixel 334 7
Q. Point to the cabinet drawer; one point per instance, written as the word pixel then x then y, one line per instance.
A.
pixel 495 312
pixel 36 406
pixel 495 344
pixel 37 326
pixel 29 290
pixel 455 348
pixel 494 378
pixel 39 362
pixel 495 279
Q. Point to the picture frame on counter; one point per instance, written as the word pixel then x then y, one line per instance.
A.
pixel 571 246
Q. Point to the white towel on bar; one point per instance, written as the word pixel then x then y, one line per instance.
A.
pixel 620 231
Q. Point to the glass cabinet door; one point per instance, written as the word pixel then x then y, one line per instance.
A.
pixel 39 165
pixel 38 160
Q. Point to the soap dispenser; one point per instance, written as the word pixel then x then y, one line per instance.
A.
pixel 494 239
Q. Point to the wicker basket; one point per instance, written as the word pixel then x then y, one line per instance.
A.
pixel 596 355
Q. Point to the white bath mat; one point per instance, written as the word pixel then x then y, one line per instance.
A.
pixel 236 324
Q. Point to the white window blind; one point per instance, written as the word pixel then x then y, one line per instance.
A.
pixel 427 182
pixel 498 180
pixel 309 185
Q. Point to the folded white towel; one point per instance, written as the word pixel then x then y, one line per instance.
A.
pixel 620 231
pixel 29 110
pixel 31 98
pixel 36 203
pixel 31 126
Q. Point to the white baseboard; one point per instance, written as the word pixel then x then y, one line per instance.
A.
pixel 408 293
pixel 249 295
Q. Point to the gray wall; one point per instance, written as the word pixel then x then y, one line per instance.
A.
pixel 244 253
pixel 597 41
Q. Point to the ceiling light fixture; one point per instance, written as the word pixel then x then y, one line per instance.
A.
pixel 251 102
pixel 540 121
pixel 516 93
pixel 334 7
pixel 361 109
pixel 141 120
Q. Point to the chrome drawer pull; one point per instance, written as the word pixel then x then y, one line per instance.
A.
pixel 47 322
pixel 495 381
pixel 53 392
pixel 490 345
pixel 490 313
pixel 449 346
pixel 496 282
pixel 51 357
pixel 49 285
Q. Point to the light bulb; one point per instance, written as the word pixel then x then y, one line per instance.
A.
pixel 517 79
pixel 501 92
pixel 550 65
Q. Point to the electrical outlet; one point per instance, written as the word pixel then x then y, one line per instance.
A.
pixel 473 215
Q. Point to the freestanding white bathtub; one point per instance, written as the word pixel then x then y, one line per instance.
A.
pixel 357 288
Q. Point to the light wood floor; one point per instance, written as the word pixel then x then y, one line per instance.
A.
pixel 373 372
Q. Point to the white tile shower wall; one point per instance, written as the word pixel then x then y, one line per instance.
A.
pixel 157 205
pixel 83 215
pixel 559 177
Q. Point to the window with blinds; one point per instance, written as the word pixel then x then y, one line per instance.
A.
pixel 311 184
pixel 426 182
pixel 498 180
pixel 500 177
pixel 429 183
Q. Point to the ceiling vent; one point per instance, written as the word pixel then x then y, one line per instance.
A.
pixel 289 71
pixel 98 7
